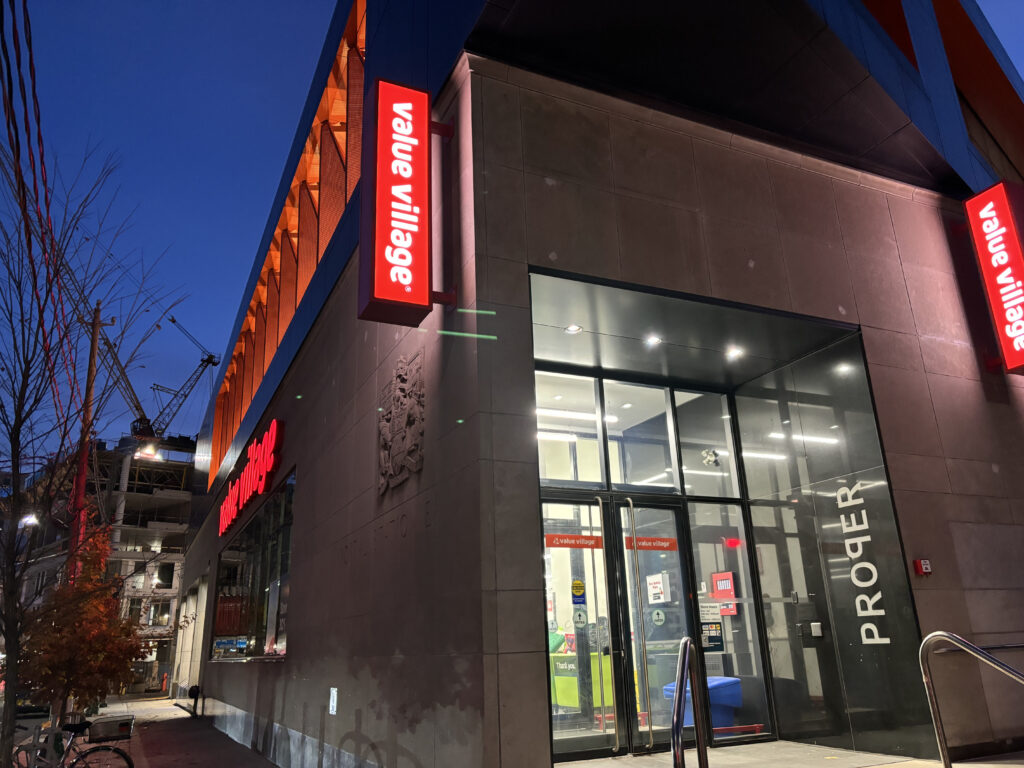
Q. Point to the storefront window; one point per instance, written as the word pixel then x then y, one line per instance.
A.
pixel 705 444
pixel 728 627
pixel 252 583
pixel 569 431
pixel 639 436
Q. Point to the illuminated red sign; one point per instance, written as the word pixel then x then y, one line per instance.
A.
pixel 998 247
pixel 255 476
pixel 395 248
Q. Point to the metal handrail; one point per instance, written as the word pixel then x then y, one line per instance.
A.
pixel 684 670
pixel 929 686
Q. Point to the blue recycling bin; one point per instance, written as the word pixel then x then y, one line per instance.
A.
pixel 725 695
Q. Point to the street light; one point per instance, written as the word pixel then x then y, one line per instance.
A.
pixel 30 520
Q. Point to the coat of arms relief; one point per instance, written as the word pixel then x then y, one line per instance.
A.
pixel 400 424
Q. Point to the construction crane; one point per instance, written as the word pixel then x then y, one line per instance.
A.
pixel 142 428
pixel 159 425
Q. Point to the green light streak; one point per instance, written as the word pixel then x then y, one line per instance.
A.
pixel 485 336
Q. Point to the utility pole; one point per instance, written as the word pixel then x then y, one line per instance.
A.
pixel 78 521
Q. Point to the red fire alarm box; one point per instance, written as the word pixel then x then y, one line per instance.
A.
pixel 923 567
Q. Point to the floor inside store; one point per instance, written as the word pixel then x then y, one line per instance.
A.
pixel 787 754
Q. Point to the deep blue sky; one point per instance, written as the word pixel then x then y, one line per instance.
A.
pixel 200 101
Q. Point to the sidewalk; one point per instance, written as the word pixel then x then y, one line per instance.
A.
pixel 168 737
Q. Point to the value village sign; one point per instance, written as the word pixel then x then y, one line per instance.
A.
pixel 992 216
pixel 394 253
pixel 255 477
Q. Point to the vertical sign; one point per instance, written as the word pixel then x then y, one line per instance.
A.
pixel 394 248
pixel 998 248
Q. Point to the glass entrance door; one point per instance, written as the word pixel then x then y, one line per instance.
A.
pixel 657 606
pixel 586 712
pixel 617 601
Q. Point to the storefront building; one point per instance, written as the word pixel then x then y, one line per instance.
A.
pixel 708 354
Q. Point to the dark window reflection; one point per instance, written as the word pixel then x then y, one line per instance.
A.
pixel 252 583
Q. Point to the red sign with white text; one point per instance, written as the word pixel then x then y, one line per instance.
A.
pixel 255 476
pixel 991 216
pixel 571 541
pixel 399 285
pixel 656 543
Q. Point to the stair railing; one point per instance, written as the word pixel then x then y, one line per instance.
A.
pixel 926 673
pixel 694 672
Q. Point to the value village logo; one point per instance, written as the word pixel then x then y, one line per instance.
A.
pixel 255 476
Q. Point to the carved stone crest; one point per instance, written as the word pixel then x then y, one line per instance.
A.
pixel 400 424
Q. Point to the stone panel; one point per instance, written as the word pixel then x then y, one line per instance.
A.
pixel 564 138
pixel 663 243
pixel 651 161
pixel 746 263
pixel 734 185
pixel 571 227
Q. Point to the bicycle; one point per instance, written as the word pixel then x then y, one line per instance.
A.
pixel 51 752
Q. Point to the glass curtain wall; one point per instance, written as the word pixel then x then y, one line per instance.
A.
pixel 840 624
pixel 623 580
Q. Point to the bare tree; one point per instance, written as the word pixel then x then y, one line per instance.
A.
pixel 57 240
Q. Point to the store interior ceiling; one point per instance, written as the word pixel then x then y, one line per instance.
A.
pixel 690 341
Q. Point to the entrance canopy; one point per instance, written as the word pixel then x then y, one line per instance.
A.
pixel 711 344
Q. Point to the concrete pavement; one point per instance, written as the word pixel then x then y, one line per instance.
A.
pixel 168 737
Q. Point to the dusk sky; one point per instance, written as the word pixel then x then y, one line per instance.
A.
pixel 200 101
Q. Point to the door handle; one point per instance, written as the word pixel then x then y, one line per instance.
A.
pixel 608 587
pixel 640 623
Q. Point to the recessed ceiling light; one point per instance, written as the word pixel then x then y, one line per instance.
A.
pixel 785 421
pixel 834 426
pixel 626 406
pixel 843 368
pixel 734 353
pixel 652 341
pixel 573 329
pixel 558 397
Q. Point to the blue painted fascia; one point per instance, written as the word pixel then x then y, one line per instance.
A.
pixel 992 41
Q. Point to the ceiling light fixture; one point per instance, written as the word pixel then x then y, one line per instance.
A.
pixel 573 329
pixel 626 406
pixel 843 368
pixel 651 340
pixel 652 478
pixel 733 352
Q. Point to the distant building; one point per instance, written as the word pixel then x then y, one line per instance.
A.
pixel 147 497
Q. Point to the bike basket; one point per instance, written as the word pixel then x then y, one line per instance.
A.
pixel 111 729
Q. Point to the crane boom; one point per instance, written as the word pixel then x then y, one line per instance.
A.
pixel 171 408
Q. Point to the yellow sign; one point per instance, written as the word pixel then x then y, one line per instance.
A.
pixel 577 587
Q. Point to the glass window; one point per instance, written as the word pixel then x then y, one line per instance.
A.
pixel 568 431
pixel 728 628
pixel 159 614
pixel 639 436
pixel 705 444
pixel 164 576
pixel 252 583
pixel 579 653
